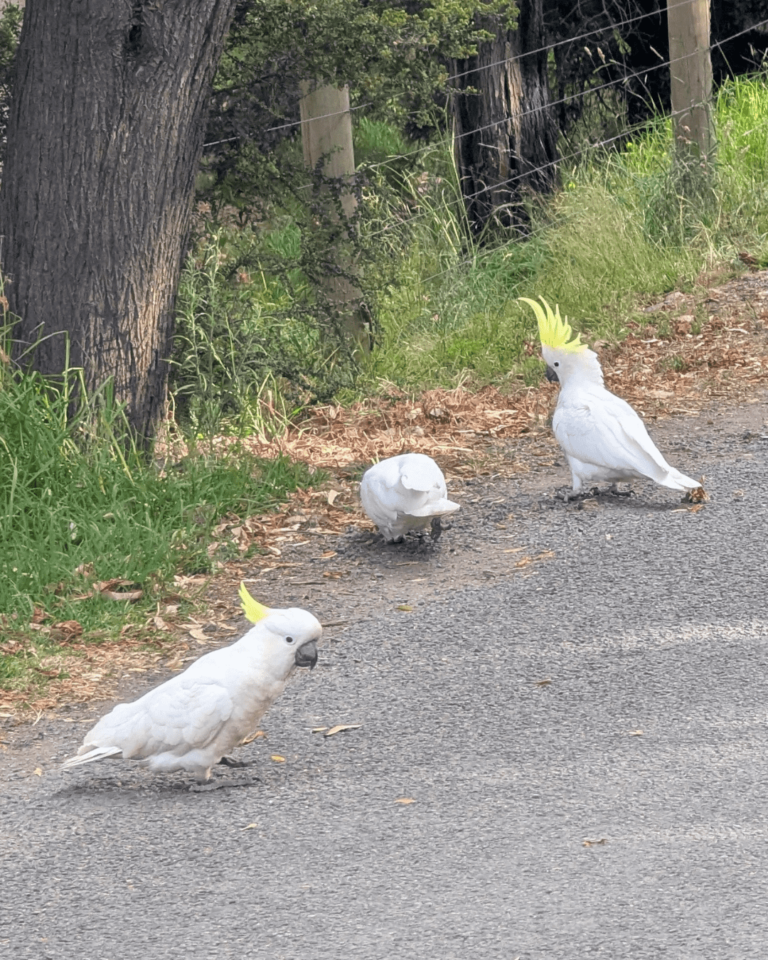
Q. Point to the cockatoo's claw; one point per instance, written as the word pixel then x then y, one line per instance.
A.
pixel 231 762
pixel 437 528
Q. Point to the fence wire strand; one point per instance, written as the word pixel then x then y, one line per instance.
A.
pixel 479 69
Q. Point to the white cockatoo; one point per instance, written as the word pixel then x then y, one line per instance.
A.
pixel 406 493
pixel 600 434
pixel 192 720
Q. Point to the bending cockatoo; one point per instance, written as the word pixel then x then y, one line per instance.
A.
pixel 192 720
pixel 601 435
pixel 406 493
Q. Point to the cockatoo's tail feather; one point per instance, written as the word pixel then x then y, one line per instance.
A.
pixel 98 753
pixel 253 610
pixel 553 330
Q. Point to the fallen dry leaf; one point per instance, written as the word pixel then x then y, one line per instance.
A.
pixel 38 771
pixel 107 589
pixel 404 607
pixel 277 758
pixel 405 800
pixel 66 631
pixel 259 735
pixel 332 495
pixel 318 729
pixel 543 683
pixel 251 826
pixel 699 495
pixel 594 843
pixel 635 733
pixel 341 726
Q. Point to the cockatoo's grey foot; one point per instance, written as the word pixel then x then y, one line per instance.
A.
pixel 565 494
pixel 614 491
pixel 231 762
pixel 437 528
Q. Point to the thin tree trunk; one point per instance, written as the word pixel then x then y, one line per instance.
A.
pixel 506 137
pixel 104 138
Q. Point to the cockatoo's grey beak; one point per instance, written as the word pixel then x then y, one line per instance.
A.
pixel 306 656
pixel 551 375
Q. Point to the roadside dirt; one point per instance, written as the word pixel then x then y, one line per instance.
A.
pixel 499 457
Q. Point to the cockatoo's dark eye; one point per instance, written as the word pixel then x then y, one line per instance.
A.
pixel 289 639
pixel 557 363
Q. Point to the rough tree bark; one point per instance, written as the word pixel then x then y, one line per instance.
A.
pixel 104 138
pixel 505 133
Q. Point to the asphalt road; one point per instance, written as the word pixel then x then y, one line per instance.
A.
pixel 617 810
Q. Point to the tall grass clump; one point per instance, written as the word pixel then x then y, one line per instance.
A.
pixel 240 360
pixel 77 495
pixel 443 302
pixel 619 232
pixel 256 335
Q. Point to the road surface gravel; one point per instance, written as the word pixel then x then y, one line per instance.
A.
pixel 562 751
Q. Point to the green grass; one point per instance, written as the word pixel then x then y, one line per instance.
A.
pixel 78 495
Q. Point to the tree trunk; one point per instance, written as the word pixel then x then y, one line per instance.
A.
pixel 506 137
pixel 104 138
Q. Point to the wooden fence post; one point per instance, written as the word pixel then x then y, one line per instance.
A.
pixel 691 79
pixel 326 135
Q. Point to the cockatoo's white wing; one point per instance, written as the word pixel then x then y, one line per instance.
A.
pixel 597 427
pixel 379 497
pixel 164 726
pixel 419 472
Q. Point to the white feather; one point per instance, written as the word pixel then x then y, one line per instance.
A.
pixel 192 720
pixel 405 493
pixel 601 435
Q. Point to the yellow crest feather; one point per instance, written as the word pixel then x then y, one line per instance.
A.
pixel 253 610
pixel 553 330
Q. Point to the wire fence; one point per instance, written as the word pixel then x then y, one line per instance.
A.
pixel 487 66
pixel 574 155
pixel 570 98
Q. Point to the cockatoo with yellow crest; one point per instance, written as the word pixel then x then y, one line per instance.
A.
pixel 192 720
pixel 600 434
pixel 405 493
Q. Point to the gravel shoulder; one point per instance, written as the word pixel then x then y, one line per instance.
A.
pixel 582 735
